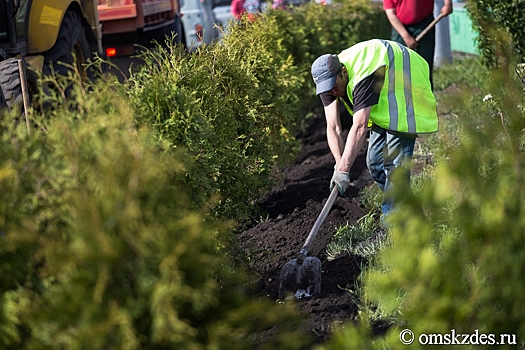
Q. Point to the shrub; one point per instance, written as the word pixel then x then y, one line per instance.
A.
pixel 500 27
pixel 312 30
pixel 99 249
pixel 233 108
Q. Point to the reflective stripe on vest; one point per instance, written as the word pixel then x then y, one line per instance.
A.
pixel 406 102
pixel 393 108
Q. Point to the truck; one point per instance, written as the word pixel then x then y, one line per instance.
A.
pixel 126 23
pixel 43 35
pixel 48 35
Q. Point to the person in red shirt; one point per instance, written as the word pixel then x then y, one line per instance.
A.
pixel 237 8
pixel 408 19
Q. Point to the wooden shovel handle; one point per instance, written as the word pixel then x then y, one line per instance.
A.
pixel 313 232
pixel 430 26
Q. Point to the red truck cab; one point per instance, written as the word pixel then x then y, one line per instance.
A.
pixel 128 22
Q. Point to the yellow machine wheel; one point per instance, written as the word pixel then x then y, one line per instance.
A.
pixel 71 49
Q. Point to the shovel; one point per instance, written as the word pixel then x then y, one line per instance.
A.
pixel 430 26
pixel 302 275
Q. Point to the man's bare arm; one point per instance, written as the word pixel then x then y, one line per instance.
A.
pixel 355 140
pixel 410 41
pixel 447 8
pixel 334 130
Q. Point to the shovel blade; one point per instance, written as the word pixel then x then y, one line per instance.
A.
pixel 300 280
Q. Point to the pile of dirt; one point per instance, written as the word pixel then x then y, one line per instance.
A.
pixel 292 207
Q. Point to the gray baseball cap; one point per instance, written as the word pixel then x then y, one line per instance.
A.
pixel 324 72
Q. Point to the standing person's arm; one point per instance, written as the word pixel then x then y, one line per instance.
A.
pixel 447 8
pixel 410 41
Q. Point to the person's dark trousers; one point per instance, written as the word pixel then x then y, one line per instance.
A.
pixel 426 45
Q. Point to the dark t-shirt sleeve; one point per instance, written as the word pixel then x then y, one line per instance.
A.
pixel 366 92
pixel 327 99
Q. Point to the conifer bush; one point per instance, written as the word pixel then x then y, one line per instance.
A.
pixel 311 30
pixel 100 249
pixel 236 106
pixel 500 28
pixel 232 106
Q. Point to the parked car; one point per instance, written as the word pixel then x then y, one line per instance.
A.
pixel 198 23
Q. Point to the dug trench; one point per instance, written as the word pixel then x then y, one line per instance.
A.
pixel 290 210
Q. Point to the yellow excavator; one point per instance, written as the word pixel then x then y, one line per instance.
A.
pixel 44 34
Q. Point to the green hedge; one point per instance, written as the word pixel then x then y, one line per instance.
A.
pixel 99 249
pixel 500 26
pixel 313 30
pixel 236 106
pixel 232 106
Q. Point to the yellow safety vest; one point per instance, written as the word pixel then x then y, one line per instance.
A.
pixel 406 102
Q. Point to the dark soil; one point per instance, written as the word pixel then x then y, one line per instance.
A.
pixel 292 207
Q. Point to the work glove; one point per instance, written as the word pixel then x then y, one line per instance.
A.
pixel 341 179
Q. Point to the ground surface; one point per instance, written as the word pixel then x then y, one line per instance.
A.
pixel 292 207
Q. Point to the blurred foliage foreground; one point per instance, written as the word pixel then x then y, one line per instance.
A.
pixel 99 249
pixel 114 208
